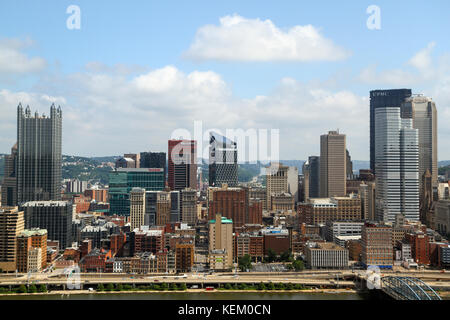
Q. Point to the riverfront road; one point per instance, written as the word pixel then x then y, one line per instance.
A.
pixel 336 278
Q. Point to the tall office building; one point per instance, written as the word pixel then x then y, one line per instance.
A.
pixel 123 180
pixel 333 171
pixel 311 176
pixel 376 243
pixel 137 208
pixel 189 206
pixel 53 216
pixel 32 250
pixel 175 206
pixel 396 166
pixel 422 111
pixel 9 185
pixel 221 236
pixel 379 99
pixel 12 223
pixel 292 180
pixel 154 160
pixel 39 158
pixel 276 181
pixel 223 167
pixel 182 164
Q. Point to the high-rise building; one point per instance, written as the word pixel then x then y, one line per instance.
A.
pixel 333 173
pixel 123 180
pixel 311 172
pixel 12 223
pixel 422 111
pixel 9 185
pixel 175 206
pixel 349 165
pixel 292 180
pixel 53 216
pixel 221 236
pixel 381 99
pixel 184 257
pixel 367 195
pixel 182 164
pixel 154 160
pixel 223 167
pixel 396 166
pixel 189 206
pixel 232 203
pixel 276 181
pixel 38 163
pixel 137 208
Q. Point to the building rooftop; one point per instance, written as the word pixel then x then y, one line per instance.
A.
pixel 50 203
pixel 33 232
pixel 224 220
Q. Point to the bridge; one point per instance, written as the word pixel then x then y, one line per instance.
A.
pixel 407 288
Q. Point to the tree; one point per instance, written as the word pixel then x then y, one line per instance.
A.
pixel 228 286
pixel 298 265
pixel 243 286
pixel 289 286
pixel 173 287
pixel 164 286
pixel 109 287
pixel 270 286
pixel 245 262
pixel 22 289
pixel 100 287
pixel 271 255
pixel 32 288
pixel 286 256
pixel 119 287
pixel 42 288
pixel 261 286
pixel 183 286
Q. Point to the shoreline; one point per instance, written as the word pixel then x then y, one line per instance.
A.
pixel 79 292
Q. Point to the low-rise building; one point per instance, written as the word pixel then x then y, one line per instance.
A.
pixel 326 255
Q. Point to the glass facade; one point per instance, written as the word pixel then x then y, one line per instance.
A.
pixel 122 180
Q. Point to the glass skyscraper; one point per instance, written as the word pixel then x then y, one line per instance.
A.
pixel 122 180
pixel 382 99
pixel 38 162
pixel 396 165
pixel 223 167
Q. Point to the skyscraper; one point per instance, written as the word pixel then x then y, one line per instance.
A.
pixel 9 185
pixel 182 164
pixel 396 165
pixel 39 158
pixel 12 223
pixel 276 181
pixel 223 167
pixel 333 173
pixel 153 160
pixel 422 111
pixel 311 172
pixel 379 99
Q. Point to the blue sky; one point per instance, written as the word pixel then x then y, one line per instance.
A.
pixel 144 36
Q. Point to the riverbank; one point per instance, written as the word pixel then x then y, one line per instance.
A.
pixel 87 292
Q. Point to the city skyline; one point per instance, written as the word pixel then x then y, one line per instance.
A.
pixel 105 89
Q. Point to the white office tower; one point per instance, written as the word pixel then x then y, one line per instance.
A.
pixel 396 166
pixel 422 110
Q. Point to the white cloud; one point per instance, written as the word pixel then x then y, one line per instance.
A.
pixel 14 61
pixel 241 39
pixel 111 114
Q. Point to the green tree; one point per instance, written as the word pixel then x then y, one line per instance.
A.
pixel 164 287
pixel 119 287
pixel 270 286
pixel 156 287
pixel 100 287
pixel 32 288
pixel 228 286
pixel 42 288
pixel 127 287
pixel 22 289
pixel 286 256
pixel 243 286
pixel 183 286
pixel 173 287
pixel 261 286
pixel 271 255
pixel 245 262
pixel 298 265
pixel 109 287
pixel 289 286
